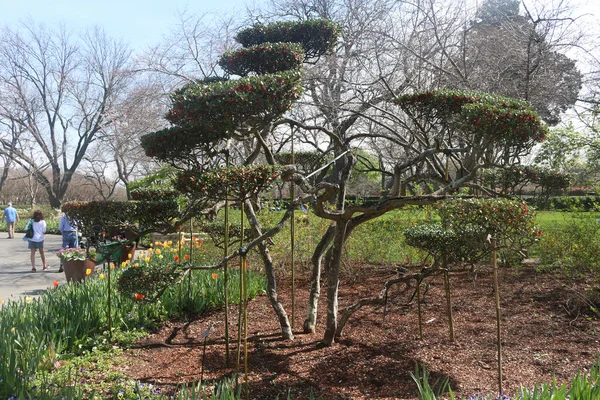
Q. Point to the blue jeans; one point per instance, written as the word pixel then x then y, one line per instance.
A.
pixel 70 239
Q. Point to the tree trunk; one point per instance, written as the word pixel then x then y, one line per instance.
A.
pixel 315 281
pixel 332 269
pixel 286 329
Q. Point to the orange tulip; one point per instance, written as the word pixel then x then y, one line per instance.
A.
pixel 139 296
pixel 215 276
pixel 55 283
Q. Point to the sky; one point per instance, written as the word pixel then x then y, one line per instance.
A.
pixel 141 23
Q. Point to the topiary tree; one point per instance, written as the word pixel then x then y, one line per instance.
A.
pixel 449 136
pixel 441 139
pixel 465 232
pixel 206 114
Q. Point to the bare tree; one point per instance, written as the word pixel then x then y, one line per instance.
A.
pixel 140 112
pixel 191 50
pixel 512 48
pixel 57 91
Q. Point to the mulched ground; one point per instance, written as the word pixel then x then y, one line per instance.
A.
pixel 547 332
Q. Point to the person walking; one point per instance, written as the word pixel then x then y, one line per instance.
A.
pixel 68 229
pixel 37 241
pixel 10 215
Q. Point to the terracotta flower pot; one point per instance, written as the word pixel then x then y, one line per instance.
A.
pixel 75 271
pixel 125 252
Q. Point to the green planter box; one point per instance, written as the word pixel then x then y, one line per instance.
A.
pixel 109 252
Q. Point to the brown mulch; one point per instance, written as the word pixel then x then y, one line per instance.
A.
pixel 546 332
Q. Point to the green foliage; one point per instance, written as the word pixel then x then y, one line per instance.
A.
pixel 161 179
pixel 507 221
pixel 468 224
pixel 97 219
pixel 147 280
pixel 317 37
pixel 216 231
pixel 507 121
pixel 444 245
pixel 264 58
pixel 551 182
pixel 150 195
pixel 205 114
pixel 234 182
pixel 566 203
pixel 426 390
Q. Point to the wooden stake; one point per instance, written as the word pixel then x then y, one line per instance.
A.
pixel 292 238
pixel 225 267
pixel 498 333
pixel 448 303
pixel 419 309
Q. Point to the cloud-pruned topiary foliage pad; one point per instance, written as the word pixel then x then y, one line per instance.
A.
pixel 265 58
pixel 204 114
pixel 227 183
pixel 317 37
pixel 508 121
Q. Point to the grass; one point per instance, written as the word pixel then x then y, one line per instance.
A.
pixel 45 341
pixel 363 246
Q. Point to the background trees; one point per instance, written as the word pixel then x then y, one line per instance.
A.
pixel 56 94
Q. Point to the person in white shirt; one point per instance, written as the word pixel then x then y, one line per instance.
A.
pixel 37 241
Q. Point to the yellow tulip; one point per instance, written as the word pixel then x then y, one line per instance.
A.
pixel 157 251
pixel 123 264
pixel 12 330
pixel 28 299
pixel 88 271
pixel 101 276
pixel 147 259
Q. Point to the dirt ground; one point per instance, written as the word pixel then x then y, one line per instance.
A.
pixel 546 331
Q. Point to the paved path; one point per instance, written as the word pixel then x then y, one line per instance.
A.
pixel 16 278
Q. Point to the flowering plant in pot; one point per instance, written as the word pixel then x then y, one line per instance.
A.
pixel 77 263
pixel 76 254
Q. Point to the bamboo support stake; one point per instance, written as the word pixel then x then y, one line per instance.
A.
pixel 109 301
pixel 245 287
pixel 292 240
pixel 241 288
pixel 189 288
pixel 448 303
pixel 498 333
pixel 419 309
pixel 225 267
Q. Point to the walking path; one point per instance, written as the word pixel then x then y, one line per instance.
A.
pixel 16 278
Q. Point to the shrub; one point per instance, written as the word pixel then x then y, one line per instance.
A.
pixel 468 224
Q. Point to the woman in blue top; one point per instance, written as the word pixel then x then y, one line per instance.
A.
pixel 37 241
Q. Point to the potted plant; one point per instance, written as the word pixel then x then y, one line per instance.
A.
pixel 78 263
